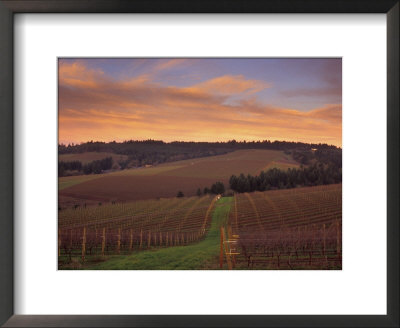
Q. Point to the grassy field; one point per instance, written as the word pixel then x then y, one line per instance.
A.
pixel 167 179
pixel 202 255
pixel 70 181
pixel 281 164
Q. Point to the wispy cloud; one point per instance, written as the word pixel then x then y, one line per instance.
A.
pixel 165 64
pixel 95 106
pixel 231 85
pixel 313 92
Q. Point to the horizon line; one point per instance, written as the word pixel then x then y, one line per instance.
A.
pixel 192 141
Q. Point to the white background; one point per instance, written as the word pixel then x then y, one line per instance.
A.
pixel 360 288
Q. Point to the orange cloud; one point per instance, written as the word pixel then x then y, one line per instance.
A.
pixel 169 63
pixel 317 92
pixel 331 113
pixel 229 85
pixel 93 106
pixel 77 75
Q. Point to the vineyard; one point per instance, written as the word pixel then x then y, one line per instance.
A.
pixel 122 228
pixel 285 229
pixel 298 228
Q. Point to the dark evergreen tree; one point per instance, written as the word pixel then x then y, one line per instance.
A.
pixel 316 174
pixel 218 188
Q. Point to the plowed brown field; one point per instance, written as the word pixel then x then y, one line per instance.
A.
pixel 166 180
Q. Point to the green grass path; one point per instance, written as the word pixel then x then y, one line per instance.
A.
pixel 203 255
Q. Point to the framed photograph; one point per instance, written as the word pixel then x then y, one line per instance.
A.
pixel 216 195
pixel 202 164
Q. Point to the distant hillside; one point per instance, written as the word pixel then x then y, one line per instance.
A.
pixel 165 180
pixel 132 153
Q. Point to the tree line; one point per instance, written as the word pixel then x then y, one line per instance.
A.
pixel 331 156
pixel 216 189
pixel 153 152
pixel 318 167
pixel 95 167
pixel 313 175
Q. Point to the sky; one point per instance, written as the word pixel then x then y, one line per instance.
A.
pixel 200 99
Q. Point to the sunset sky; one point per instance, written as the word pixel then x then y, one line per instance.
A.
pixel 200 100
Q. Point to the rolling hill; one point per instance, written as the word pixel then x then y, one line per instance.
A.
pixel 165 180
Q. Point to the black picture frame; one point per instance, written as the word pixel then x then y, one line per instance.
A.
pixel 7 10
